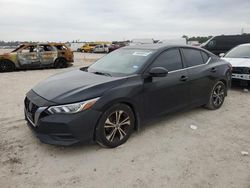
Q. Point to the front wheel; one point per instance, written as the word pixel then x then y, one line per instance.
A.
pixel 217 96
pixel 115 126
pixel 6 66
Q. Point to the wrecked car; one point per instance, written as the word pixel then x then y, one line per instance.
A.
pixel 32 56
pixel 64 52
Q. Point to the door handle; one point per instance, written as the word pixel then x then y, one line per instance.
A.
pixel 183 78
pixel 213 69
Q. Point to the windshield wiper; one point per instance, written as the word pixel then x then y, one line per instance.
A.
pixel 102 73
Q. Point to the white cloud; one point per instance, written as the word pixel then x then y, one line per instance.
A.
pixel 63 20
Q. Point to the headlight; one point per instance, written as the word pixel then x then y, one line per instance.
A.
pixel 72 108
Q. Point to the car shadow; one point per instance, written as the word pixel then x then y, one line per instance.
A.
pixel 167 119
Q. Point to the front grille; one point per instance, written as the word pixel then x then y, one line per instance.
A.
pixel 237 70
pixel 241 70
pixel 31 109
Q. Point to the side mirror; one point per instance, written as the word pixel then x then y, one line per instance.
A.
pixel 221 54
pixel 158 72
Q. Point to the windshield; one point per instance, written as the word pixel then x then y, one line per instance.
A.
pixel 18 48
pixel 239 52
pixel 205 43
pixel 121 62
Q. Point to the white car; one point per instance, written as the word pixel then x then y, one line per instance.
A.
pixel 141 41
pixel 177 41
pixel 239 57
pixel 101 48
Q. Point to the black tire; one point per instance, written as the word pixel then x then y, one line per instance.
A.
pixel 217 96
pixel 60 63
pixel 6 66
pixel 115 126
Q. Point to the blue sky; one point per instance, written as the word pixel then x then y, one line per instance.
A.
pixel 64 20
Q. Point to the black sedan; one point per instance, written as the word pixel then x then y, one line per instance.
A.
pixel 108 100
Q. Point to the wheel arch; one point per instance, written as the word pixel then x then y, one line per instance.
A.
pixel 136 114
pixel 10 61
pixel 224 81
pixel 60 58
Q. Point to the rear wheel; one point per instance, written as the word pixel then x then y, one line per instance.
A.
pixel 115 126
pixel 6 66
pixel 217 96
pixel 60 63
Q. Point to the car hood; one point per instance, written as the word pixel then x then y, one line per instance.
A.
pixel 238 62
pixel 75 86
pixel 7 54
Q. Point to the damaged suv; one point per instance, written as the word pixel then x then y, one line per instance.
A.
pixel 64 52
pixel 33 56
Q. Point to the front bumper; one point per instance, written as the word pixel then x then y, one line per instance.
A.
pixel 63 129
pixel 241 76
pixel 241 73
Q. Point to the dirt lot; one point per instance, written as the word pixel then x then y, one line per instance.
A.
pixel 164 153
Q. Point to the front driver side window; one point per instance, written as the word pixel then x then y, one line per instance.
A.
pixel 211 44
pixel 170 60
pixel 28 49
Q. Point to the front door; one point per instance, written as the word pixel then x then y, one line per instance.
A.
pixel 28 56
pixel 166 94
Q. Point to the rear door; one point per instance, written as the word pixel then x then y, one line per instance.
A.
pixel 165 94
pixel 199 75
pixel 47 54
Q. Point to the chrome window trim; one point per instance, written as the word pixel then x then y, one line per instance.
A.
pixel 191 67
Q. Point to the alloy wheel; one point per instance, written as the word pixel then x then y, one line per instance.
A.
pixel 218 95
pixel 116 126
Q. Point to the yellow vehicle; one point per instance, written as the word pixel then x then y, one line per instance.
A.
pixel 89 47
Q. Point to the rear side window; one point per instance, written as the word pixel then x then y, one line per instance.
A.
pixel 205 56
pixel 192 57
pixel 46 48
pixel 61 47
pixel 170 60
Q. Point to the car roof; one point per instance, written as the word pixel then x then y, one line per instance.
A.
pixel 247 44
pixel 158 46
pixel 162 47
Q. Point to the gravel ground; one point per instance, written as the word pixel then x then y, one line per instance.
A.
pixel 164 153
